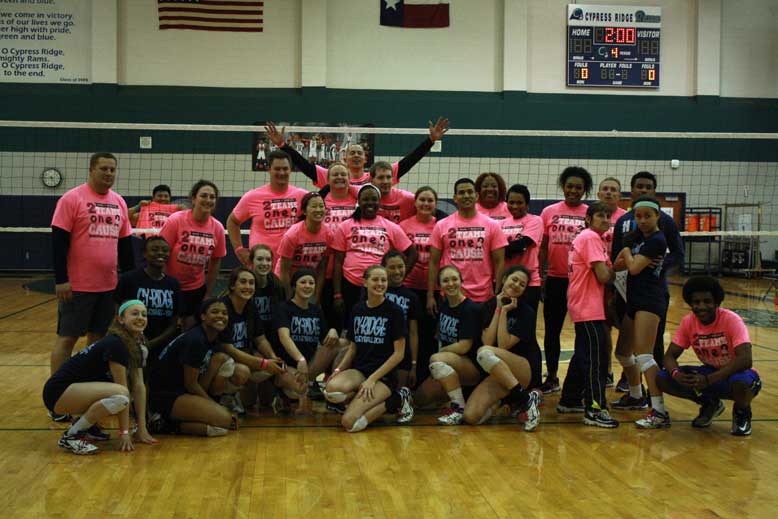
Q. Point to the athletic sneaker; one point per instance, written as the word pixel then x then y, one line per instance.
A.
pixel 623 385
pixel 314 391
pixel 600 418
pixel 281 404
pixel 336 408
pixel 233 403
pixel 708 411
pixel 156 424
pixel 76 444
pixel 60 417
pixel 96 434
pixel 569 407
pixel 551 385
pixel 630 403
pixel 741 422
pixel 609 380
pixel 405 414
pixel 654 420
pixel 452 416
pixel 533 413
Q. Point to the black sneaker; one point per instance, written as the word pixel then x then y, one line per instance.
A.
pixel 623 385
pixel 600 418
pixel 60 417
pixel 741 422
pixel 551 385
pixel 314 391
pixel 630 403
pixel 336 408
pixel 157 424
pixel 569 407
pixel 96 434
pixel 609 380
pixel 708 411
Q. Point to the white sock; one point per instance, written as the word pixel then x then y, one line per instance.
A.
pixel 81 424
pixel 212 430
pixel 359 425
pixel 658 404
pixel 457 397
pixel 636 391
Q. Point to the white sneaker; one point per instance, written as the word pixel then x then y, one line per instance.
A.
pixel 452 416
pixel 76 444
pixel 533 413
pixel 232 402
pixel 406 410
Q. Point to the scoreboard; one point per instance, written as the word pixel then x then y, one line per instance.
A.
pixel 613 46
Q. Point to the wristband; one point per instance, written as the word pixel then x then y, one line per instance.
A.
pixel 337 296
pixel 413 362
pixel 336 371
pixel 241 248
pixel 123 432
pixel 301 359
pixel 498 310
pixel 264 363
pixel 675 372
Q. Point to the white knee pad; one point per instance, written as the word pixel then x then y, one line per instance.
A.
pixel 359 425
pixel 115 404
pixel 646 361
pixel 260 376
pixel 227 369
pixel 336 397
pixel 626 360
pixel 440 370
pixel 487 359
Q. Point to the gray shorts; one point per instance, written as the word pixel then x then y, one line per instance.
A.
pixel 87 312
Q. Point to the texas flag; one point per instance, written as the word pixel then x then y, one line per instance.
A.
pixel 419 14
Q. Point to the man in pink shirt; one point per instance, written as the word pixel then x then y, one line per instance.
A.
pixel 395 204
pixel 90 224
pixel 589 271
pixel 473 242
pixel 720 340
pixel 272 209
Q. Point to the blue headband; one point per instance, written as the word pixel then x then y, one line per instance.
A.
pixel 647 203
pixel 129 303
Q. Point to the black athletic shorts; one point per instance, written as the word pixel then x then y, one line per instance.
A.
pixel 162 402
pixel 52 391
pixel 656 307
pixel 85 312
pixel 390 379
pixel 191 301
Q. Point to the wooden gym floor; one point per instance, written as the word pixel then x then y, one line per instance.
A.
pixel 297 467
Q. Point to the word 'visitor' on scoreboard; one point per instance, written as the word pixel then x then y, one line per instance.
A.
pixel 613 46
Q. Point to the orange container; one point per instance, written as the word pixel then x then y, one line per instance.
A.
pixel 692 223
pixel 713 222
pixel 704 223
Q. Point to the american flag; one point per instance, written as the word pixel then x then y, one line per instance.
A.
pixel 211 15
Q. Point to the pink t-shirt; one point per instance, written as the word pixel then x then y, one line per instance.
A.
pixel 271 213
pixel 192 245
pixel 365 242
pixel 95 223
pixel 498 212
pixel 303 247
pixel 339 209
pixel 419 233
pixel 561 223
pixel 586 295
pixel 607 237
pixel 321 177
pixel 398 205
pixel 714 344
pixel 467 243
pixel 531 226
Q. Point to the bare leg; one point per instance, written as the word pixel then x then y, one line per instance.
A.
pixel 369 409
pixel 63 349
pixel 193 408
pixel 645 326
pixel 624 347
pixel 84 397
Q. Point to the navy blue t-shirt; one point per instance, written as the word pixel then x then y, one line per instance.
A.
pixel 649 284
pixel 192 349
pixel 242 328
pixel 161 297
pixel 91 363
pixel 521 322
pixel 374 331
pixel 459 323
pixel 408 302
pixel 307 329
pixel 626 224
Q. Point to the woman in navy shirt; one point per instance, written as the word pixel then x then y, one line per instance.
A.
pixel 93 383
pixel 642 256
pixel 367 374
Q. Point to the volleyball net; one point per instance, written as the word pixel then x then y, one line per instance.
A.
pixel 720 187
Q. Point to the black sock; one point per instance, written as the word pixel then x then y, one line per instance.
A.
pixel 517 397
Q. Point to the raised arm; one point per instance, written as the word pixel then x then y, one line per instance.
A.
pixel 437 131
pixel 278 139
